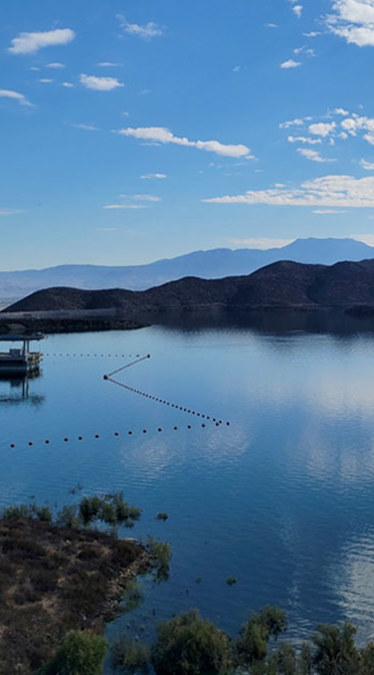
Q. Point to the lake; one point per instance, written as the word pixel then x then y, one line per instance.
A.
pixel 281 498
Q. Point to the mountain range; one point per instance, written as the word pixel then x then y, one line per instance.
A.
pixel 211 264
pixel 281 285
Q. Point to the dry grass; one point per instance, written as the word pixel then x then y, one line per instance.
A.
pixel 53 579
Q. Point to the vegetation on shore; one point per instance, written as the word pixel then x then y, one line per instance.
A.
pixel 191 645
pixel 61 580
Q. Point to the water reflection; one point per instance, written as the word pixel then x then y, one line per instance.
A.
pixel 282 498
pixel 18 390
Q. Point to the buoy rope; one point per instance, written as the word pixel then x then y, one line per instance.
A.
pixel 118 370
pixel 176 406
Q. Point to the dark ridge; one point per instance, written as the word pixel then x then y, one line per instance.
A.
pixel 211 264
pixel 285 284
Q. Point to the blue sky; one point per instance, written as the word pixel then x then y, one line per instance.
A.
pixel 133 131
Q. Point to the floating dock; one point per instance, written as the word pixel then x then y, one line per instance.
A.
pixel 20 360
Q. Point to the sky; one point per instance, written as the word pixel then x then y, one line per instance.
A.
pixel 136 130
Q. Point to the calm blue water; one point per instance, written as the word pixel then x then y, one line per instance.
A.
pixel 282 499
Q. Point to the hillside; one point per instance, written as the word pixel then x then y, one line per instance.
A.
pixel 285 285
pixel 212 264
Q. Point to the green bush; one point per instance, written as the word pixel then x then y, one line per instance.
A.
pixel 252 644
pixel 188 644
pixel 161 554
pixel 80 653
pixel 130 656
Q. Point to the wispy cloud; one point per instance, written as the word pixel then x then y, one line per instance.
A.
pixel 68 85
pixel 313 155
pixel 147 198
pixel 16 96
pixel 85 127
pixel 329 191
pixel 56 65
pixel 107 64
pixel 45 80
pixel 151 176
pixel 100 83
pixel 262 243
pixel 298 122
pixel 304 50
pixel 10 212
pixel 145 32
pixel 368 166
pixel 124 206
pixel 328 212
pixel 304 140
pixel 353 20
pixel 163 135
pixel 29 43
pixel 291 63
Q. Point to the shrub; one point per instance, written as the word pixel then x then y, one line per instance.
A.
pixel 252 643
pixel 188 644
pixel 80 653
pixel 130 656
pixel 161 554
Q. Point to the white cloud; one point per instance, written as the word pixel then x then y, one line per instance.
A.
pixel 45 80
pixel 147 198
pixel 100 83
pixel 330 191
pixel 312 34
pixel 304 139
pixel 150 176
pixel 146 32
pixel 67 84
pixel 262 243
pixel 313 155
pixel 142 198
pixel 85 127
pixel 304 50
pixel 322 128
pixel 290 64
pixel 291 123
pixel 341 111
pixel 9 212
pixel 352 125
pixel 236 69
pixel 21 98
pixel 56 65
pixel 325 212
pixel 124 206
pixel 368 166
pixel 271 25
pixel 297 9
pixel 366 238
pixel 107 64
pixel 353 20
pixel 29 43
pixel 163 135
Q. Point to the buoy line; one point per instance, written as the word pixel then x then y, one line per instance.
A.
pixel 85 355
pixel 116 434
pixel 108 377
